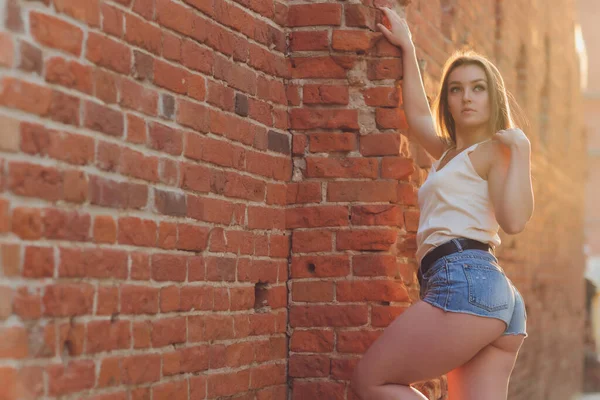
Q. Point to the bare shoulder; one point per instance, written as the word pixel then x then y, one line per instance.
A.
pixel 488 154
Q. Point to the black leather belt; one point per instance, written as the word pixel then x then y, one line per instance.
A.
pixel 448 248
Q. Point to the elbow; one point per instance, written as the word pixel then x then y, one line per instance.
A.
pixel 513 228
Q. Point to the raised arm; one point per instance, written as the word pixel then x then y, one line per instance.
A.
pixel 416 107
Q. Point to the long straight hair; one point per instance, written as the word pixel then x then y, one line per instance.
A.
pixel 500 107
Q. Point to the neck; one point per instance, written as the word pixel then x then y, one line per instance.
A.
pixel 469 135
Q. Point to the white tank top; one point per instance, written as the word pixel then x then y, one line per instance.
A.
pixel 454 203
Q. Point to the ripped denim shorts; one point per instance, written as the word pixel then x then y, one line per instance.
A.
pixel 472 281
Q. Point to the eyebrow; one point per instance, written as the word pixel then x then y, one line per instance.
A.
pixel 476 80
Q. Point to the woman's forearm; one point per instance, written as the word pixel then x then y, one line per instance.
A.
pixel 518 202
pixel 413 93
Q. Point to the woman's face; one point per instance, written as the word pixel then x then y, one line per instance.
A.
pixel 468 96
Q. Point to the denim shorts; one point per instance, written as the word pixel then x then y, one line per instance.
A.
pixel 472 282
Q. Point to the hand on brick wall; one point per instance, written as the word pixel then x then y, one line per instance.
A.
pixel 397 31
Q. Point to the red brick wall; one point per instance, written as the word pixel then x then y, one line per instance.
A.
pixel 144 159
pixel 203 198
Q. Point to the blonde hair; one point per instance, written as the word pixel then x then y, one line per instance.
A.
pixel 500 108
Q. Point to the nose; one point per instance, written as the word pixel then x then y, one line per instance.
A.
pixel 466 95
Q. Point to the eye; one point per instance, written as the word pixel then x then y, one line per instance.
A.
pixel 479 88
pixel 454 89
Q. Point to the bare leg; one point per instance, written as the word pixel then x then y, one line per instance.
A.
pixel 488 373
pixel 423 343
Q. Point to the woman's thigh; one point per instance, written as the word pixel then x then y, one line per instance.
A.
pixel 423 343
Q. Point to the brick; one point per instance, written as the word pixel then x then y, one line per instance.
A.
pixel 112 20
pixel 168 331
pixel 64 108
pixel 103 119
pixel 14 343
pixel 328 315
pixel 117 194
pixel 320 266
pixel 267 375
pixel 75 187
pixel 167 106
pixel 142 34
pixel 167 139
pixel 390 215
pixel 108 300
pixel 136 97
pixel 366 239
pixel 138 165
pixel 87 11
pixel 323 67
pixel 309 366
pixel 221 269
pixel 27 304
pixel 107 336
pixel 105 86
pixel 350 167
pixel 95 263
pixel 70 378
pixel 192 115
pixel 377 290
pixel 397 168
pixel 38 262
pixel 266 218
pixel 170 77
pixel 382 97
pixel 258 271
pixel 166 267
pixel 66 225
pixel 377 191
pixel 110 372
pixel 141 369
pixel 8 382
pixel 171 390
pixel 139 300
pixel 227 384
pixel 105 229
pixel 171 46
pixel 5 215
pixel 6 302
pixel 31 58
pixel 106 52
pixel 325 94
pixel 314 14
pixel 68 299
pixel 278 142
pixel 14 21
pixel 317 216
pixel 35 181
pixel 192 237
pixel 71 338
pixel 384 69
pixel 27 223
pixel 70 74
pixel 391 118
pixel 332 142
pixel 381 144
pixel 56 33
pixel 137 232
pixel 145 8
pixel 7 50
pixel 136 129
pixel 25 96
pixel 174 16
pixel 312 341
pixel 312 291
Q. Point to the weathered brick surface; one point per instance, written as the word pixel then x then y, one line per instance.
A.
pixel 186 183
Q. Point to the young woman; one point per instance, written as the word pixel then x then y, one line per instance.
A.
pixel 470 320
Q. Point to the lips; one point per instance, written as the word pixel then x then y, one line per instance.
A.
pixel 465 110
